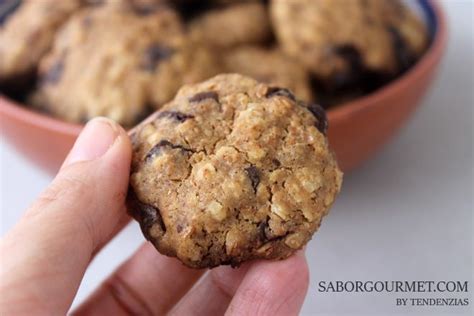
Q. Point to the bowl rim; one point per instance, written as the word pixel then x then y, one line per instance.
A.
pixel 12 108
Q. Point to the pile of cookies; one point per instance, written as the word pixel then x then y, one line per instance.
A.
pixel 126 58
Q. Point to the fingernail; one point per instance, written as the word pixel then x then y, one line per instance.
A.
pixel 95 139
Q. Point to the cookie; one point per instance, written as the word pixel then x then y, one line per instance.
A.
pixel 232 170
pixel 345 42
pixel 232 25
pixel 270 66
pixel 120 63
pixel 28 34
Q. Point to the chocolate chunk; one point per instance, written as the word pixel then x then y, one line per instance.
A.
pixel 204 96
pixel 175 115
pixel 157 149
pixel 192 9
pixel 254 176
pixel 147 215
pixel 403 53
pixel 54 73
pixel 355 71
pixel 276 91
pixel 276 162
pixel 262 227
pixel 154 54
pixel 320 115
pixel 353 80
pixel 350 54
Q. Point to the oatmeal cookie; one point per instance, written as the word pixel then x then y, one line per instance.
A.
pixel 28 34
pixel 232 25
pixel 232 170
pixel 343 42
pixel 116 62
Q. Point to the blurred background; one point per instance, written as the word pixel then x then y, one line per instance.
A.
pixel 407 214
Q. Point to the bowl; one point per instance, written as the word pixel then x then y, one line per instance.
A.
pixel 357 129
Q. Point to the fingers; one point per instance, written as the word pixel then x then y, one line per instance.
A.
pixel 272 288
pixel 47 252
pixel 213 293
pixel 146 284
pixel 152 284
pixel 256 288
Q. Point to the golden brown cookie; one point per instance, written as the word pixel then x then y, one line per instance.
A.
pixel 232 25
pixel 28 34
pixel 344 41
pixel 120 63
pixel 232 170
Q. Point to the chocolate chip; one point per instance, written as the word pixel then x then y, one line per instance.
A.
pixel 157 149
pixel 262 226
pixel 150 216
pixel 175 115
pixel 154 54
pixel 276 91
pixel 356 78
pixel 147 215
pixel 254 176
pixel 54 73
pixel 351 55
pixel 204 96
pixel 276 162
pixel 320 115
pixel 179 228
pixel 403 53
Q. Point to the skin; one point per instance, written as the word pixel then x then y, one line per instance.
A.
pixel 44 257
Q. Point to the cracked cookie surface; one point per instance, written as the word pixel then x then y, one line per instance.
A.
pixel 119 62
pixel 340 41
pixel 232 170
pixel 232 25
pixel 28 34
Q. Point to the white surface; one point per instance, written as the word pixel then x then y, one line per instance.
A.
pixel 406 215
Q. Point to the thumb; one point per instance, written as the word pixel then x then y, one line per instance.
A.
pixel 46 254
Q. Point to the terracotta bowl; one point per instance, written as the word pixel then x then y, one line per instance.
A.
pixel 357 129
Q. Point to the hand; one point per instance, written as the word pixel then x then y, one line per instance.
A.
pixel 45 255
